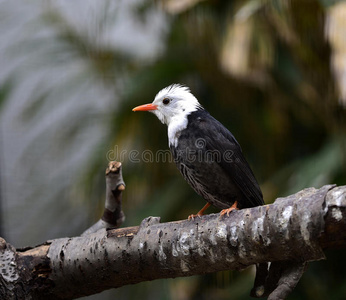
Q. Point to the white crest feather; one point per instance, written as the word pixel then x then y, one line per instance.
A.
pixel 174 115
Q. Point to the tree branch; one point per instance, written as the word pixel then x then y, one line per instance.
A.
pixel 113 216
pixel 292 231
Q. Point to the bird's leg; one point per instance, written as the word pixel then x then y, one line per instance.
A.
pixel 200 213
pixel 228 210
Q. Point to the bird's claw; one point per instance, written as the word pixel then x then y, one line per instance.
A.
pixel 227 211
pixel 192 217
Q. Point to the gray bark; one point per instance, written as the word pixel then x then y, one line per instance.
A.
pixel 289 233
pixel 113 216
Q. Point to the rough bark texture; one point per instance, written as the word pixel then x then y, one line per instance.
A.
pixel 289 233
pixel 113 216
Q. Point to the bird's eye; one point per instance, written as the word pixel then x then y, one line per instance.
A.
pixel 166 101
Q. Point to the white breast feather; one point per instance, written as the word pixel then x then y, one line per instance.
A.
pixel 174 128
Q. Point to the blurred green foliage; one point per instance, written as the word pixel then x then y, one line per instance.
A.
pixel 262 68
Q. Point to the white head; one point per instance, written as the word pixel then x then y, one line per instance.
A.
pixel 172 105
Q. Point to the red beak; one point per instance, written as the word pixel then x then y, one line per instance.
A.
pixel 145 107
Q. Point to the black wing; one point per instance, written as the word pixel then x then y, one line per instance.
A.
pixel 231 159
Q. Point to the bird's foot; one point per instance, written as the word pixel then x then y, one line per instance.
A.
pixel 192 217
pixel 228 210
pixel 200 213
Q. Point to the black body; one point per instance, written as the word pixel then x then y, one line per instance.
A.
pixel 211 161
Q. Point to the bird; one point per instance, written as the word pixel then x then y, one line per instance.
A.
pixel 206 153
